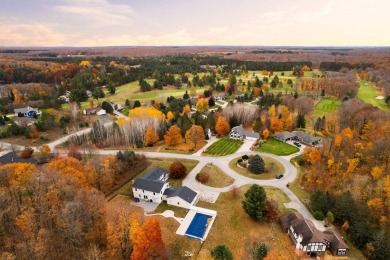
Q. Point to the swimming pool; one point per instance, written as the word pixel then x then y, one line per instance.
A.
pixel 198 226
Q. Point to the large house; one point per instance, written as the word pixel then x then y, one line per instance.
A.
pixel 94 110
pixel 308 238
pixel 154 187
pixel 12 157
pixel 239 133
pixel 27 111
pixel 301 136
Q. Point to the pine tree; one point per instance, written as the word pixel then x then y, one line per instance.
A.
pixel 256 164
pixel 301 122
pixel 255 202
pixel 221 252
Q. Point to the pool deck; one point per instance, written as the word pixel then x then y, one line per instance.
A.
pixel 190 216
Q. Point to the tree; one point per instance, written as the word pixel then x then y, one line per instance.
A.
pixel 271 211
pixel 211 102
pixel 136 104
pixel 195 134
pixel 127 103
pixel 319 201
pixel 259 252
pixel 111 88
pixel 107 106
pixel 301 123
pixel 222 126
pixel 202 105
pixel 221 252
pixel 151 137
pixel 265 134
pixel 173 136
pixel 256 164
pixel 177 170
pixel 255 202
pixel 27 153
pixel 44 149
pixel 186 96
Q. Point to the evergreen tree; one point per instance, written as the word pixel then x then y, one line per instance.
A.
pixel 256 164
pixel 322 92
pixel 186 96
pixel 255 201
pixel 136 104
pixel 106 106
pixel 233 121
pixel 257 125
pixel 301 122
pixel 319 201
pixel 260 251
pixel 211 102
pixel 127 103
pixel 221 252
pixel 111 88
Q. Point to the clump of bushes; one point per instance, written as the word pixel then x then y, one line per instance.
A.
pixel 318 215
pixel 203 177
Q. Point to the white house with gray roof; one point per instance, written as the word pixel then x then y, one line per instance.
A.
pixel 154 187
pixel 239 133
pixel 301 136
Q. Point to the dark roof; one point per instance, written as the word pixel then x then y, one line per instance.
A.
pixel 156 174
pixel 12 157
pixel 184 193
pixel 92 110
pixel 241 131
pixel 169 191
pixel 149 185
pixel 336 242
pixel 306 137
pixel 287 218
pixel 284 135
pixel 309 233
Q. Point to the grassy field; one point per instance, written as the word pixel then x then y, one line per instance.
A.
pixel 217 177
pixel 368 93
pixel 158 162
pixel 277 147
pixel 295 186
pixel 273 168
pixel 224 146
pixel 326 106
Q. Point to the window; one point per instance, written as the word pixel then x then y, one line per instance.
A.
pixel 154 193
pixel 178 203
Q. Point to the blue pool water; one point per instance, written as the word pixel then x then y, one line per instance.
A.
pixel 198 226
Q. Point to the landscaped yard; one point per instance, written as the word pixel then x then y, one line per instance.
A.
pixel 368 93
pixel 272 166
pixel 217 177
pixel 277 147
pixel 158 162
pixel 163 206
pixel 224 146
pixel 326 106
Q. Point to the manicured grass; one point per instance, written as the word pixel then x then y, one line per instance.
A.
pixel 163 206
pixel 277 147
pixel 224 146
pixel 158 162
pixel 326 106
pixel 217 177
pixel 273 168
pixel 235 229
pixel 368 93
pixel 125 111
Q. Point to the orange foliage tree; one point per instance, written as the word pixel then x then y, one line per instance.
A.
pixel 173 136
pixel 195 134
pixel 222 126
pixel 151 137
pixel 266 134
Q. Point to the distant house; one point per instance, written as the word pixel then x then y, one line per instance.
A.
pixel 12 157
pixel 64 97
pixel 308 238
pixel 154 187
pixel 301 136
pixel 193 101
pixel 116 106
pixel 239 133
pixel 94 110
pixel 24 121
pixel 27 111
pixel 89 93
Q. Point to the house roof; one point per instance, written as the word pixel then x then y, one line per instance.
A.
pixel 284 135
pixel 183 192
pixel 149 185
pixel 12 157
pixel 336 241
pixel 241 131
pixel 92 109
pixel 156 174
pixel 306 137
pixel 286 219
pixel 309 233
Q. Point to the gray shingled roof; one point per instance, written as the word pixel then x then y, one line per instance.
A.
pixel 241 131
pixel 284 135
pixel 336 241
pixel 12 157
pixel 155 174
pixel 149 185
pixel 309 233
pixel 184 193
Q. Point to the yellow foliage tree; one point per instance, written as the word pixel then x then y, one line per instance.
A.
pixel 265 134
pixel 202 105
pixel 19 173
pixel 195 134
pixel 151 137
pixel 222 126
pixel 186 109
pixel 170 116
pixel 173 136
pixel 377 172
pixel 44 149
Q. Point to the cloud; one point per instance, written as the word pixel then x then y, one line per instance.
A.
pixel 313 15
pixel 214 30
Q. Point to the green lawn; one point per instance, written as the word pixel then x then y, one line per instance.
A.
pixel 272 166
pixel 277 147
pixel 368 93
pixel 326 106
pixel 224 146
pixel 217 177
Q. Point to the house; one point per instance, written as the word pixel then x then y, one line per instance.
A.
pixel 27 111
pixel 63 97
pixel 25 121
pixel 308 238
pixel 154 187
pixel 94 110
pixel 301 136
pixel 89 93
pixel 116 106
pixel 239 133
pixel 181 197
pixel 12 157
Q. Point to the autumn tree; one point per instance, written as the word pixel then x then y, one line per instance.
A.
pixel 271 211
pixel 173 136
pixel 177 170
pixel 255 202
pixel 202 105
pixel 151 137
pixel 195 134
pixel 27 153
pixel 148 243
pixel 266 134
pixel 222 126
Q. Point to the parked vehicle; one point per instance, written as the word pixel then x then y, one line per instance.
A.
pixel 279 176
pixel 297 144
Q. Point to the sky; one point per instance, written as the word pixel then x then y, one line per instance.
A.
pixel 197 22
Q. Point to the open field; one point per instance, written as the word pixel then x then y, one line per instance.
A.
pixel 272 166
pixel 223 146
pixel 295 186
pixel 217 177
pixel 368 93
pixel 277 147
pixel 158 162
pixel 326 106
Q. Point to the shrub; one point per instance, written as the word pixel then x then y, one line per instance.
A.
pixel 177 170
pixel 221 252
pixel 260 251
pixel 239 161
pixel 203 177
pixel 27 153
pixel 245 157
pixel 318 215
pixel 256 164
